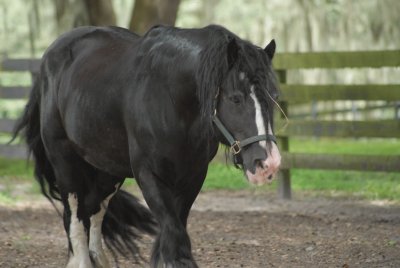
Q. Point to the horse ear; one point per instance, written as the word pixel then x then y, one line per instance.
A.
pixel 270 49
pixel 233 50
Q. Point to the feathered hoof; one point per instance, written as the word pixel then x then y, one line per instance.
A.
pixel 181 263
pixel 99 259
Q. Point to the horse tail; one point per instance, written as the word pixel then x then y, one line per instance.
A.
pixel 29 124
pixel 124 219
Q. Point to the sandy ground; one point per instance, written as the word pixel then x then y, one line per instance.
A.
pixel 234 229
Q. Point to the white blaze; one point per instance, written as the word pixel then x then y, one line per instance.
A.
pixel 270 165
pixel 259 118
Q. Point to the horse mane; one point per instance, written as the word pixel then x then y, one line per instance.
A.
pixel 214 67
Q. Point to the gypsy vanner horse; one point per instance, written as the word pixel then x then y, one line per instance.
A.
pixel 109 104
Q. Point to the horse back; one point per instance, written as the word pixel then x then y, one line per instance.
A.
pixel 113 88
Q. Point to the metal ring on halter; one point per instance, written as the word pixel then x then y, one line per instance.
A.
pixel 235 147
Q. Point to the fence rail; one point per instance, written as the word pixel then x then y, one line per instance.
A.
pixel 17 92
pixel 13 151
pixel 334 60
pixel 25 65
pixel 342 129
pixel 302 93
pixel 386 163
pixel 7 125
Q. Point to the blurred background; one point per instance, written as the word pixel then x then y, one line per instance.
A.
pixel 308 34
pixel 338 62
pixel 27 27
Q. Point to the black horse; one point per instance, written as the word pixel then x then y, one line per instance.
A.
pixel 109 104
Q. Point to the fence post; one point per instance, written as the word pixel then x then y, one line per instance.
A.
pixel 284 188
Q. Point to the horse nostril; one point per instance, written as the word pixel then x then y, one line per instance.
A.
pixel 258 163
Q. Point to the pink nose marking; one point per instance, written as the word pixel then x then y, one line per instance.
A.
pixel 269 167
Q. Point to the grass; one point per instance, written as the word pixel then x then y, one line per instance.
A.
pixel 347 146
pixel 17 169
pixel 369 185
pixel 222 176
pixel 11 109
pixel 12 173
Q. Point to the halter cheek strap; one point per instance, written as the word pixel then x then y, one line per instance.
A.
pixel 236 146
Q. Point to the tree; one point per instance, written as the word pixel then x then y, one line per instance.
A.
pixel 74 13
pixel 147 13
pixel 100 12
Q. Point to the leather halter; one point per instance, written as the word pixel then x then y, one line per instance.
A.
pixel 236 145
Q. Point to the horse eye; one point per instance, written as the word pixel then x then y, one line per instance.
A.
pixel 236 99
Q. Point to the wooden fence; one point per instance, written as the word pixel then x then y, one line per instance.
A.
pixel 15 92
pixel 292 93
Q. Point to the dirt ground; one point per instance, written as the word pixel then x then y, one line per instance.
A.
pixel 235 229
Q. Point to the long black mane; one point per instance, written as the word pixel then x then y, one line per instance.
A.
pixel 214 68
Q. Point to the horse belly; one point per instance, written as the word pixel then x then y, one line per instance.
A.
pixel 107 162
pixel 100 141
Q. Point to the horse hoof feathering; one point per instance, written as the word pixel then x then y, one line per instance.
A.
pixel 108 104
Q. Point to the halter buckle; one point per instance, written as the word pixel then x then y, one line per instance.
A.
pixel 235 147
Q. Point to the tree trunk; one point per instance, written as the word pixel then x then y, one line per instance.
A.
pixel 101 12
pixel 147 13
pixel 305 5
pixel 74 13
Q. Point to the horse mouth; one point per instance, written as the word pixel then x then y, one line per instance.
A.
pixel 261 176
pixel 265 170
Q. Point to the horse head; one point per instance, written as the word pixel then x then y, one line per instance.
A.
pixel 243 109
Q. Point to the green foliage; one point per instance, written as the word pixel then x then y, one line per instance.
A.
pixel 5 197
pixel 222 176
pixel 371 185
pixel 11 108
pixel 19 169
pixel 346 146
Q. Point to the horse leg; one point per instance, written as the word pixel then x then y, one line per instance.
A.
pixel 172 246
pixel 77 233
pixel 72 176
pixel 96 204
pixel 84 218
pixel 186 195
pixel 85 207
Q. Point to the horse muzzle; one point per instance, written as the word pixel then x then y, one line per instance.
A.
pixel 263 160
pixel 265 170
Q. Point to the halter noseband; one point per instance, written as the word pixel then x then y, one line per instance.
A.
pixel 236 145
